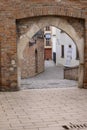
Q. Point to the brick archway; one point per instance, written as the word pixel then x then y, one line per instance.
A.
pixel 58 22
pixel 9 62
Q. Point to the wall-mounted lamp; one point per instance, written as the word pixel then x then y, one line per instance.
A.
pixel 48 36
pixel 32 42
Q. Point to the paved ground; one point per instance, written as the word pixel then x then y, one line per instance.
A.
pixel 44 109
pixel 52 77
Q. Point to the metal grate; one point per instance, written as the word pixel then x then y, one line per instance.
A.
pixel 72 126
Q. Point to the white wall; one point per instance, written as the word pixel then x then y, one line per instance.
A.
pixel 59 39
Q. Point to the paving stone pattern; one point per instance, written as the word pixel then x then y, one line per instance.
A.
pixel 43 109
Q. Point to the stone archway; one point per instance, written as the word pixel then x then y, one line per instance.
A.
pixel 30 10
pixel 60 23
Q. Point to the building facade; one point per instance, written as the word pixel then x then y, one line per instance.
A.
pixel 61 43
pixel 47 43
pixel 68 15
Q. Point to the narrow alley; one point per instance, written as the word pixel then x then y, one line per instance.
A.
pixel 52 77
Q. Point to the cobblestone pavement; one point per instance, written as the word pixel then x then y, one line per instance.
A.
pixel 52 77
pixel 44 109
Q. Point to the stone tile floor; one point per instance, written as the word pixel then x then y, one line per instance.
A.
pixel 52 83
pixel 43 109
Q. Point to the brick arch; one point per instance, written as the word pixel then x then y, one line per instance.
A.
pixel 61 24
pixel 45 9
pixel 27 9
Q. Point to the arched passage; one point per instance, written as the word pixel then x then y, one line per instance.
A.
pixel 64 25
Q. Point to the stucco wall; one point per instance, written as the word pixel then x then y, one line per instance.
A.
pixel 61 38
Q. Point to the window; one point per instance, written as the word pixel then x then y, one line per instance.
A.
pixel 47 28
pixel 47 43
pixel 70 46
pixel 62 51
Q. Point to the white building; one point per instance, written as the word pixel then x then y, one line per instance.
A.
pixel 61 44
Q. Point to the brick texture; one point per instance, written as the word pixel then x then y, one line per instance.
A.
pixel 33 62
pixel 12 10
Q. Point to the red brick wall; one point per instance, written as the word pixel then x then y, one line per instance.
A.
pixel 29 63
pixel 10 11
pixel 85 56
